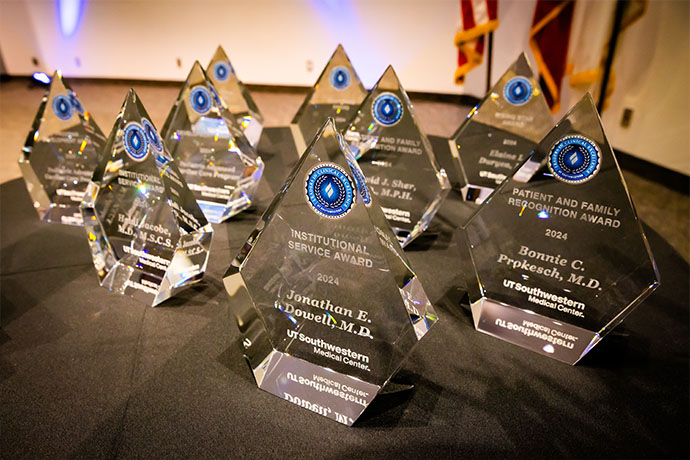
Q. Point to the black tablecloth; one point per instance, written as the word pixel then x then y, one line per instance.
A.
pixel 89 374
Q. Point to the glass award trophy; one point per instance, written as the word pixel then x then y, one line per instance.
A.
pixel 60 154
pixel 337 94
pixel 148 237
pixel 220 166
pixel 397 159
pixel 558 255
pixel 325 299
pixel 500 132
pixel 236 97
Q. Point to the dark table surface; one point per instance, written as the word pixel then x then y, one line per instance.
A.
pixel 89 374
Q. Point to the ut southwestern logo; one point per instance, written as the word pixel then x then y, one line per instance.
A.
pixel 62 107
pixel 329 190
pixel 387 109
pixel 340 78
pixel 518 90
pixel 200 100
pixel 135 141
pixel 574 159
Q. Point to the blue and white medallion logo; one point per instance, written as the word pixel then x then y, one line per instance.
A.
pixel 221 71
pixel 518 90
pixel 152 135
pixel 574 159
pixel 387 109
pixel 361 184
pixel 75 102
pixel 135 141
pixel 62 107
pixel 329 190
pixel 340 78
pixel 200 99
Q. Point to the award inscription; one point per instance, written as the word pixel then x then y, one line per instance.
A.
pixel 325 300
pixel 60 154
pixel 148 237
pixel 397 159
pixel 557 253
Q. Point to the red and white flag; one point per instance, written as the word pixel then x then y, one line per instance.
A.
pixel 549 38
pixel 477 18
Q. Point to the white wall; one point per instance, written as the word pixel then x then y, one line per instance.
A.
pixel 272 42
pixel 268 41
pixel 652 77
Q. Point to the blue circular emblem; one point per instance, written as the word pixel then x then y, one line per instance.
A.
pixel 215 95
pixel 75 102
pixel 518 90
pixel 221 71
pixel 329 190
pixel 387 109
pixel 62 107
pixel 135 141
pixel 152 135
pixel 574 159
pixel 361 183
pixel 200 99
pixel 340 78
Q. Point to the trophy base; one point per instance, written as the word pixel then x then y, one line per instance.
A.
pixel 49 212
pixel 332 394
pixel 217 213
pixel 561 341
pixel 475 193
pixel 66 215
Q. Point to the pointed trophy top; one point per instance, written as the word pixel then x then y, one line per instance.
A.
pixel 389 80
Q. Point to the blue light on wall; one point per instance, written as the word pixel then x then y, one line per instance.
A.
pixel 42 77
pixel 69 14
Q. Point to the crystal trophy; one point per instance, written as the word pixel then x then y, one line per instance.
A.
pixel 337 94
pixel 220 166
pixel 397 159
pixel 236 97
pixel 325 299
pixel 60 154
pixel 557 254
pixel 500 132
pixel 147 234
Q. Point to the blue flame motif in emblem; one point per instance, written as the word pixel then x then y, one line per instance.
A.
pixel 62 107
pixel 518 90
pixel 387 109
pixel 136 144
pixel 200 99
pixel 574 159
pixel 221 71
pixel 340 78
pixel 329 190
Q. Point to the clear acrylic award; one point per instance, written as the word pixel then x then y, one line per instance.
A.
pixel 325 299
pixel 557 254
pixel 500 132
pixel 337 94
pixel 60 154
pixel 148 237
pixel 397 159
pixel 236 97
pixel 220 166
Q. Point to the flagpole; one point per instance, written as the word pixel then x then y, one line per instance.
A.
pixel 489 58
pixel 618 19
